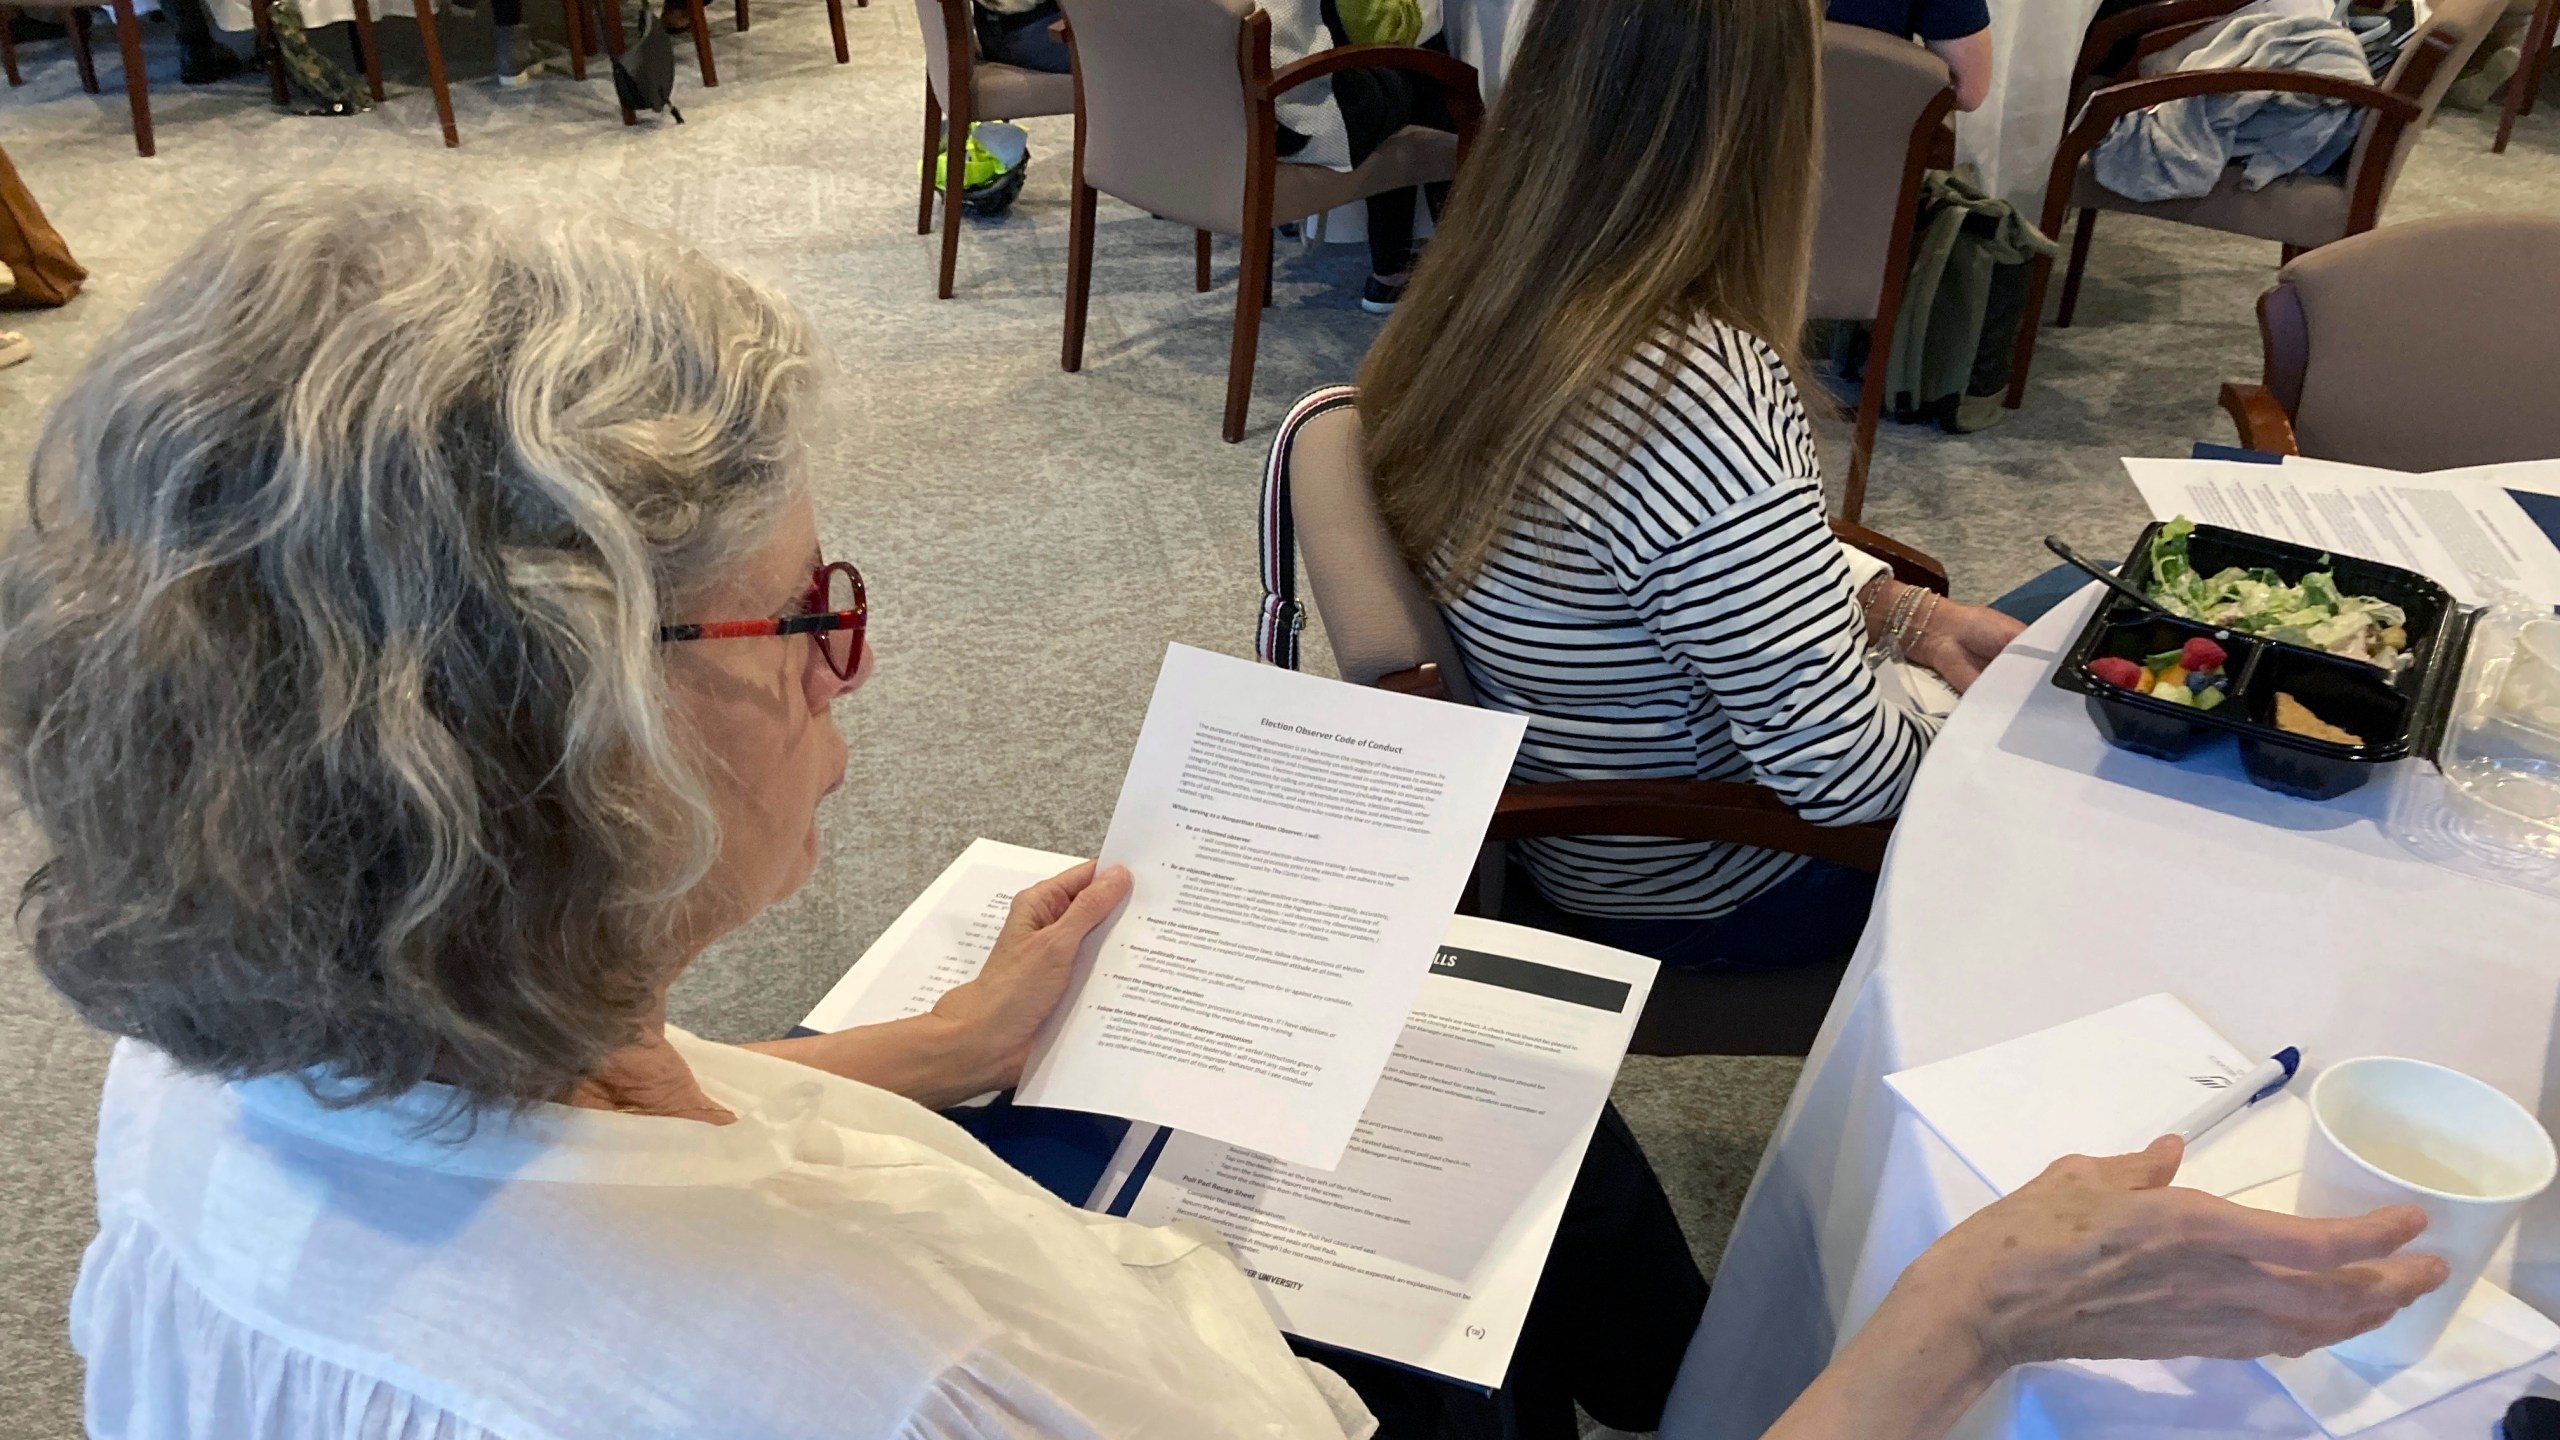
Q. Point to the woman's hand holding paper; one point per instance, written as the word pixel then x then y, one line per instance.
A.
pixel 995 1017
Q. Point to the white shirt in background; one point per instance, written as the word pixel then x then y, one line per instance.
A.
pixel 840 1262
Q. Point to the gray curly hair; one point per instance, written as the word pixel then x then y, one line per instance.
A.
pixel 328 658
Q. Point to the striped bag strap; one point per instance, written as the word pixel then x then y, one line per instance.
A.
pixel 1283 613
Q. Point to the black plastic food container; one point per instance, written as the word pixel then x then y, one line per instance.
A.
pixel 2387 712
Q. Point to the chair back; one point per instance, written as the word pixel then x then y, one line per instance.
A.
pixel 1165 118
pixel 940 21
pixel 2425 346
pixel 1881 96
pixel 1377 616
pixel 2465 23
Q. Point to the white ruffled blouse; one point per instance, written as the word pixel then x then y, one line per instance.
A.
pixel 840 1262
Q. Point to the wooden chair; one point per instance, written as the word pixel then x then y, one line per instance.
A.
pixel 2300 212
pixel 423 12
pixel 2425 346
pixel 1885 103
pixel 835 23
pixel 959 87
pixel 1385 631
pixel 137 85
pixel 1174 115
pixel 2538 33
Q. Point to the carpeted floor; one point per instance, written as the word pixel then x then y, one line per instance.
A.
pixel 1033 539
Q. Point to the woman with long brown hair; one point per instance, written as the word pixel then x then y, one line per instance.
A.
pixel 1585 438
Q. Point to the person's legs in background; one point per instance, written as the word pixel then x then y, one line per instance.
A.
pixel 1023 39
pixel 202 59
pixel 520 56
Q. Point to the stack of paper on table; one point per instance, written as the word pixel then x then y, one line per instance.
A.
pixel 1424 1245
pixel 2115 1081
pixel 2477 532
pixel 2106 1085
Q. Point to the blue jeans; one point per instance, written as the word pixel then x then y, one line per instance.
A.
pixel 2028 602
pixel 1813 915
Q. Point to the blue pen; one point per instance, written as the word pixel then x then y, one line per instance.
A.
pixel 2263 1080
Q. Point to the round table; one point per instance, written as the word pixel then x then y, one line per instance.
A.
pixel 2038 876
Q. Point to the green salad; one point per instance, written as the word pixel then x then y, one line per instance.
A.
pixel 2258 602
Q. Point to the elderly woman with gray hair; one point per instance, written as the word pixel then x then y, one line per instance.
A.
pixel 419 649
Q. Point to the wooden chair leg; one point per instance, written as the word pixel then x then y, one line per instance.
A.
pixel 614 41
pixel 262 22
pixel 2527 80
pixel 1200 261
pixel 575 17
pixel 1871 388
pixel 366 42
pixel 137 83
pixel 924 167
pixel 835 27
pixel 702 43
pixel 1079 272
pixel 2080 238
pixel 77 23
pixel 1253 287
pixel 955 184
pixel 434 47
pixel 742 16
pixel 9 49
pixel 2030 317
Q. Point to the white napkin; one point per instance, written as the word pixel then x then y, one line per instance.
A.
pixel 2105 1085
pixel 2493 1333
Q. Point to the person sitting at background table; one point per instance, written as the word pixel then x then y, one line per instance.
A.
pixel 1584 435
pixel 1340 120
pixel 1956 31
pixel 463 650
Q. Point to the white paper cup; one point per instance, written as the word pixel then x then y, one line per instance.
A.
pixel 2387 1131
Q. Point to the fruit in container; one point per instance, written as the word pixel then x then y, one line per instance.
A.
pixel 2193 675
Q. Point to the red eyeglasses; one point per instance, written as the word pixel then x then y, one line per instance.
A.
pixel 834 612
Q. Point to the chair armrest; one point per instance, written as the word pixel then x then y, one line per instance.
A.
pixel 1682 810
pixel 2114 102
pixel 2107 34
pixel 1422 681
pixel 1459 83
pixel 1449 70
pixel 1910 566
pixel 2258 417
pixel 2105 107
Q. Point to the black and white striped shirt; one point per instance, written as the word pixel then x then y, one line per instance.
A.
pixel 1685 613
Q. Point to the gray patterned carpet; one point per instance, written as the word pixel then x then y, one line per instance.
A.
pixel 1033 538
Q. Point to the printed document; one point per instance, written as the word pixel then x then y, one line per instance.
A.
pixel 2464 529
pixel 1425 1244
pixel 939 941
pixel 1297 846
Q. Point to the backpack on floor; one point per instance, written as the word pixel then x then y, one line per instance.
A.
pixel 644 74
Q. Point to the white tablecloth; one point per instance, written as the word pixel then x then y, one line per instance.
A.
pixel 2038 876
pixel 2010 140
